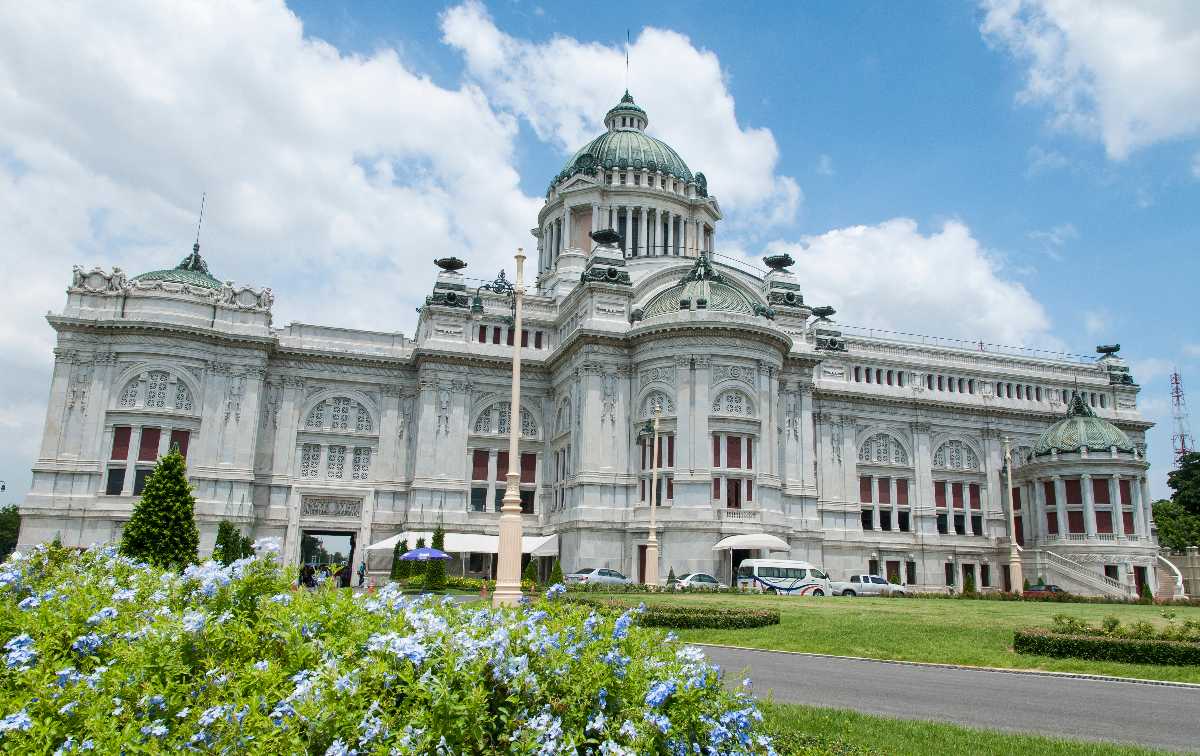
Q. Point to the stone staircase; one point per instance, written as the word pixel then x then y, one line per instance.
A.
pixel 1076 576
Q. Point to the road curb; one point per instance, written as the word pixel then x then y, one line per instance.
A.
pixel 937 665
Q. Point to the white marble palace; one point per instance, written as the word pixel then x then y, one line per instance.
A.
pixel 863 453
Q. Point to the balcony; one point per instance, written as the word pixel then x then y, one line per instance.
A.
pixel 740 515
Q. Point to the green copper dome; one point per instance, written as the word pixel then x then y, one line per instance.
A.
pixel 1081 429
pixel 626 145
pixel 701 286
pixel 191 270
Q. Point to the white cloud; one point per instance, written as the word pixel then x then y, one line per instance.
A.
pixel 1053 239
pixel 1044 161
pixel 330 177
pixel 893 276
pixel 563 87
pixel 1125 73
pixel 1096 322
pixel 825 165
pixel 1149 369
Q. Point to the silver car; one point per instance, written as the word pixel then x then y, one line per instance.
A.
pixel 593 575
pixel 698 581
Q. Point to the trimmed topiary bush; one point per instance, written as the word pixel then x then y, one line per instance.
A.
pixel 1132 650
pixel 694 616
pixel 531 572
pixel 400 568
pixel 162 529
pixel 230 545
pixel 556 573
pixel 435 569
pixel 111 655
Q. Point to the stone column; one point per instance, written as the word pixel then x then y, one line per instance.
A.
pixel 808 441
pixel 642 244
pixel 595 219
pixel 1089 506
pixel 1060 506
pixel 135 443
pixel 287 418
pixel 669 219
pixel 1118 512
pixel 993 496
pixel 625 226
pixel 567 230
pixel 1147 510
pixel 895 503
pixel 685 245
pixel 768 398
pixel 1037 507
pixel 874 502
pixel 389 434
pixel 921 500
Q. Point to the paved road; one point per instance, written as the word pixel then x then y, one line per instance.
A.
pixel 1160 716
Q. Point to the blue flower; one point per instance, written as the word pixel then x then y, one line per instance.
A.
pixel 659 692
pixel 658 720
pixel 621 626
pixel 262 665
pixel 555 591
pixel 346 684
pixel 29 602
pixel 87 644
pixel 193 622
pixel 104 614
pixel 17 721
pixel 155 729
pixel 338 748
pixel 628 730
pixel 125 594
pixel 212 715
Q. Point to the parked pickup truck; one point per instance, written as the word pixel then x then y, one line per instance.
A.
pixel 865 585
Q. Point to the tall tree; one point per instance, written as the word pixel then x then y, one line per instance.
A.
pixel 1177 528
pixel 162 529
pixel 399 566
pixel 435 569
pixel 10 529
pixel 228 546
pixel 1185 482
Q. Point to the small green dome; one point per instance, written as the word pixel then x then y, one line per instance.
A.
pixel 701 283
pixel 626 145
pixel 1081 429
pixel 191 270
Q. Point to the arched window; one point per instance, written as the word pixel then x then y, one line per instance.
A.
pixel 657 402
pixel 341 413
pixel 183 397
pixel 882 449
pixel 733 403
pixel 153 390
pixel 955 455
pixel 497 418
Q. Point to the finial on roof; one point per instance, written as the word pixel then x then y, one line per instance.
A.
pixel 199 223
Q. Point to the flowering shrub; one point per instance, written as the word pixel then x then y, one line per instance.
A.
pixel 106 654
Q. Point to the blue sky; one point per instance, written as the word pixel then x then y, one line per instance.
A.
pixel 1037 162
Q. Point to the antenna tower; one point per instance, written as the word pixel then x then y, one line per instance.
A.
pixel 1181 436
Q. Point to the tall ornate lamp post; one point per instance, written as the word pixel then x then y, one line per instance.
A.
pixel 508 569
pixel 1015 573
pixel 650 576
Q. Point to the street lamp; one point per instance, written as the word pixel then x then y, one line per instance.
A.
pixel 508 568
pixel 650 576
pixel 1015 574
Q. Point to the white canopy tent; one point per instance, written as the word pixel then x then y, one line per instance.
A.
pixel 471 543
pixel 763 541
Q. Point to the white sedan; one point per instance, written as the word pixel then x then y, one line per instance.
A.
pixel 592 575
pixel 698 581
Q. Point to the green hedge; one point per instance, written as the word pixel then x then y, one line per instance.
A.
pixel 1134 651
pixel 695 617
pixel 1049 598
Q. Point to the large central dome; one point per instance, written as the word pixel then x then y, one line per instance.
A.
pixel 626 145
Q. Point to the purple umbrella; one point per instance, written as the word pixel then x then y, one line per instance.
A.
pixel 423 554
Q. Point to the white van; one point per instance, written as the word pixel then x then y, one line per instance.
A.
pixel 783 576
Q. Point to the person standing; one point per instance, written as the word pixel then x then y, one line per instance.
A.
pixel 362 572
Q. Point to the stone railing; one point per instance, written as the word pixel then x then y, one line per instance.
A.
pixel 1084 574
pixel 740 515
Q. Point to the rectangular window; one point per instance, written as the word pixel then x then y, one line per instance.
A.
pixel 670 489
pixel 502 465
pixel 479 464
pixel 885 519
pixel 864 489
pixel 528 467
pixel 902 492
pixel 885 490
pixel 642 490
pixel 1052 523
pixel 498 499
pixel 749 490
pixel 670 451
pixel 508 336
pixel 974 491
pixel 733 450
pixel 941 523
pixel 310 460
pixel 115 482
pixel 717 489
pixel 524 338
pixel 495 334
pixel 1048 493
pixel 1016 499
pixel 749 454
pixel 902 521
pixel 957 490
pixel 148 446
pixel 949 573
pixel 482 334
pixel 139 480
pixel 527 496
pixel 910 572
pixel 985 575
pixel 179 440
pixel 716 451
pixel 1020 530
pixel 361 464
pixel 1100 491
pixel 1123 486
pixel 1074 491
pixel 1075 521
pixel 478 499
pixel 120 445
pixel 977 524
pixel 335 462
pixel 1127 518
pixel 939 493
pixel 960 524
pixel 868 521
pixel 537 339
pixel 1104 521
pixel 733 493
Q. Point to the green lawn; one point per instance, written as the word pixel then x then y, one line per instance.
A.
pixel 977 633
pixel 815 732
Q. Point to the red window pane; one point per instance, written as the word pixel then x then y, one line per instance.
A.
pixel 957 490
pixel 179 440
pixel 889 377
pixel 479 464
pixel 1051 523
pixel 1104 521
pixel 1100 491
pixel 1126 493
pixel 670 489
pixel 528 467
pixel 939 493
pixel 482 334
pixel 1016 499
pixel 670 452
pixel 864 489
pixel 537 339
pixel 885 490
pixel 1020 532
pixel 749 454
pixel 495 334
pixel 716 488
pixel 501 465
pixel 524 338
pixel 1075 521
pixel 642 452
pixel 1074 491
pixel 716 451
pixel 642 490
pixel 1127 518
pixel 508 336
pixel 148 446
pixel 974 492
pixel 902 492
pixel 749 490
pixel 661 453
pixel 120 446
pixel 1048 492
pixel 733 451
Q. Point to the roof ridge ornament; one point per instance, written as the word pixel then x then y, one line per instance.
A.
pixel 1078 407
pixel 702 271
